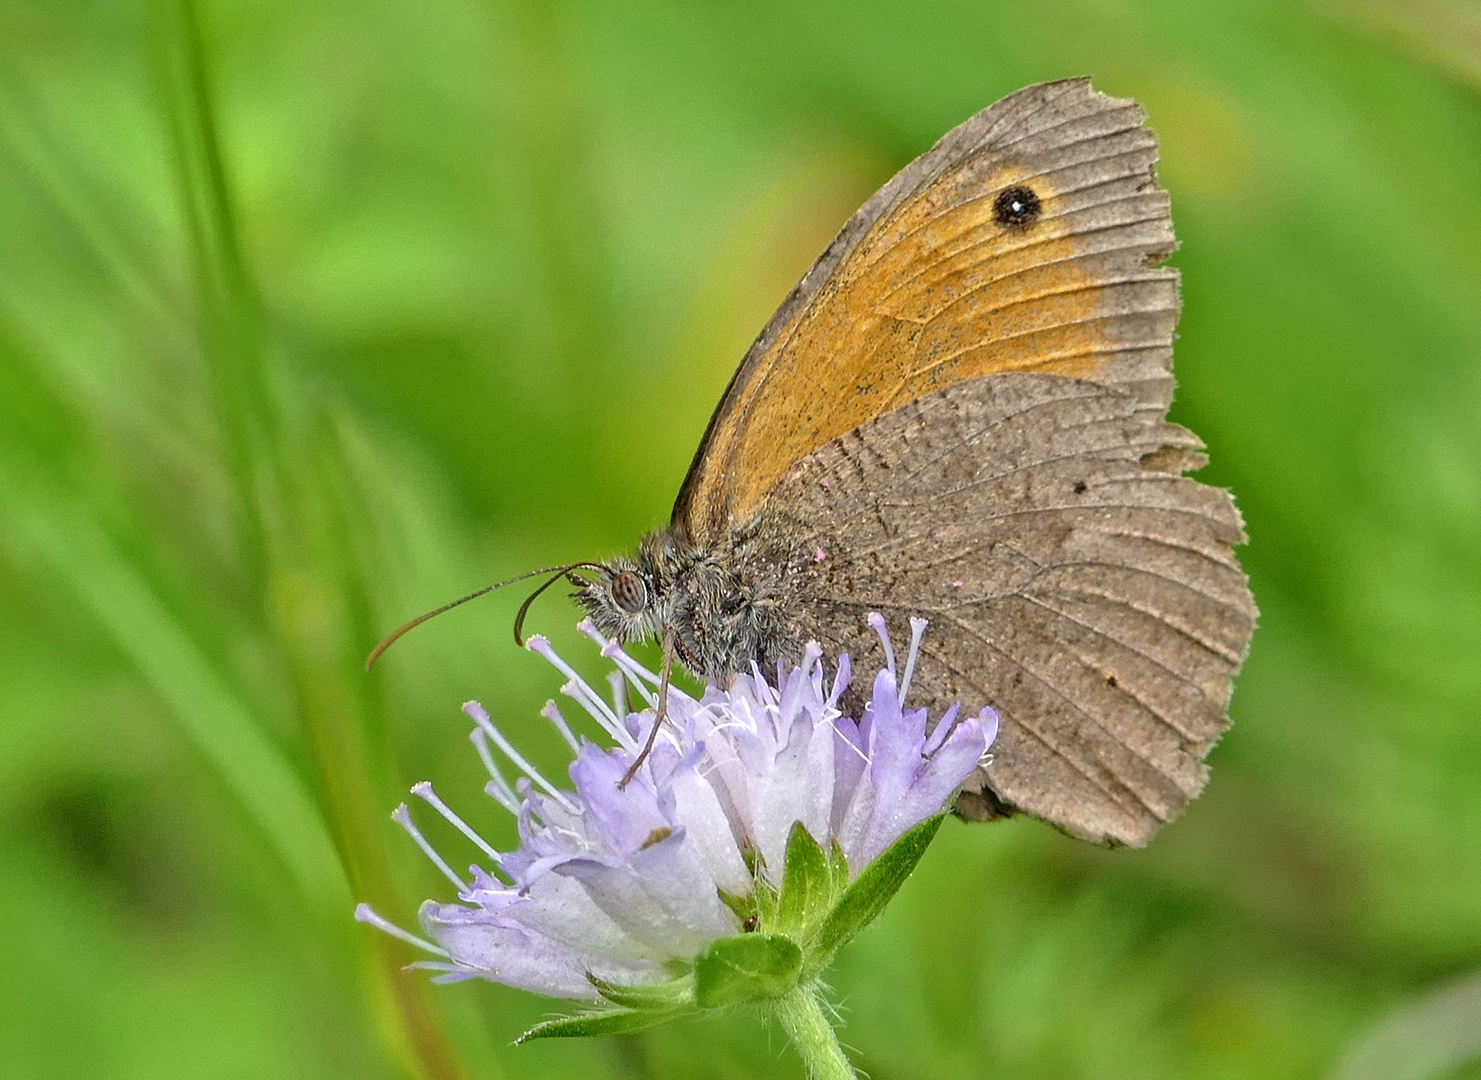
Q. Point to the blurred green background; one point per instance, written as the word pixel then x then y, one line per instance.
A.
pixel 315 314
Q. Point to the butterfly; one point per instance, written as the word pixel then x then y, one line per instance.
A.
pixel 960 414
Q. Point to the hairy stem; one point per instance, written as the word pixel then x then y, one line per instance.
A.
pixel 806 1024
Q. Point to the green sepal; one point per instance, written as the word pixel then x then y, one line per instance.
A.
pixel 838 867
pixel 601 1022
pixel 869 894
pixel 670 995
pixel 807 884
pixel 748 967
pixel 745 908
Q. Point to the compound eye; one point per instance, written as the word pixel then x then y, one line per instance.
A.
pixel 629 592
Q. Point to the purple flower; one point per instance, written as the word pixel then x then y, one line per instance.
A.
pixel 626 885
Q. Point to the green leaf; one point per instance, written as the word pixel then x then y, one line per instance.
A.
pixel 748 967
pixel 670 995
pixel 867 896
pixel 604 1022
pixel 807 883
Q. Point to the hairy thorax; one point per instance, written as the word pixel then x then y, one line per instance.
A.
pixel 725 605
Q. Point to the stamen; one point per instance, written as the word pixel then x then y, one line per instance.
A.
pixel 876 620
pixel 497 788
pixel 618 685
pixel 646 676
pixel 435 965
pixel 917 631
pixel 541 645
pixel 799 683
pixel 424 792
pixel 481 718
pixel 811 654
pixel 616 730
pixel 613 651
pixel 402 817
pixel 551 713
pixel 589 628
pixel 366 914
pixel 636 673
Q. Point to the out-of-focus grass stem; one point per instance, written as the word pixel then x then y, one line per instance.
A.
pixel 291 538
pixel 229 309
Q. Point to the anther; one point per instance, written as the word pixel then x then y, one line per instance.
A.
pixel 876 620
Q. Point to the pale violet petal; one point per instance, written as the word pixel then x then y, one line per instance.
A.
pixel 821 771
pixel 625 817
pixel 849 762
pixel 780 798
pixel 936 780
pixel 558 907
pixel 854 823
pixel 698 806
pixel 674 874
pixel 506 952
pixel 617 889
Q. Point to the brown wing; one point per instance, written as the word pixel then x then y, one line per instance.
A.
pixel 1074 580
pixel 933 282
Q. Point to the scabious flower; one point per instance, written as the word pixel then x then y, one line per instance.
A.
pixel 763 830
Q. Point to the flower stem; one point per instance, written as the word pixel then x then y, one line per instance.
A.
pixel 806 1024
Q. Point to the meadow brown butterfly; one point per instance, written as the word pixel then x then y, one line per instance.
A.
pixel 960 413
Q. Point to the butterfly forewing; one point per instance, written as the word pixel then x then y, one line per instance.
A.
pixel 926 286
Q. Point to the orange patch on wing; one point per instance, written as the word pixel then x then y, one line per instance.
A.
pixel 941 290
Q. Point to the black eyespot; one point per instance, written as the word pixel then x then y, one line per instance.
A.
pixel 629 591
pixel 1080 487
pixel 1111 681
pixel 1016 207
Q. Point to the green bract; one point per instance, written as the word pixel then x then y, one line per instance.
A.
pixel 795 934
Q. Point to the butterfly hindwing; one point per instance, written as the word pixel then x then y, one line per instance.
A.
pixel 1073 579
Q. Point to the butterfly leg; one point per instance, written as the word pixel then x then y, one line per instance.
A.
pixel 661 713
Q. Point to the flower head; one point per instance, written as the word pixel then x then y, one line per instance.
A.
pixel 616 886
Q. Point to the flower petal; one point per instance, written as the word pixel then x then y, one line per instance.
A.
pixel 935 781
pixel 500 949
pixel 698 806
pixel 559 908
pixel 621 818
pixel 662 895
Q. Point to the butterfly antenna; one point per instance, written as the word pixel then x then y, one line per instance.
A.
pixel 563 572
pixel 558 571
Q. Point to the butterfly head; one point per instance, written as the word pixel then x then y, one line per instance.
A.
pixel 624 599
